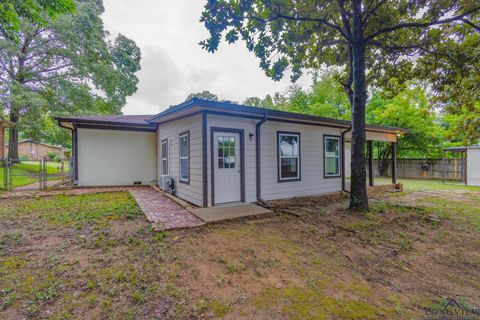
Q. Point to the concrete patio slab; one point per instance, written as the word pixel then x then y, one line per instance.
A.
pixel 229 212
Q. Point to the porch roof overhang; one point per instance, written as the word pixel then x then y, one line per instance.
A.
pixel 121 122
pixel 196 105
pixel 460 149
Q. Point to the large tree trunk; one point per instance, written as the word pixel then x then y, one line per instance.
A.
pixel 358 190
pixel 13 138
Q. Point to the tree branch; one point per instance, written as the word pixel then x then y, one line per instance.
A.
pixel 471 24
pixel 420 24
pixel 322 21
pixel 368 12
pixel 345 21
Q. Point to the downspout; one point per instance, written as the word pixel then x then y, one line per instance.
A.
pixel 343 158
pixel 258 161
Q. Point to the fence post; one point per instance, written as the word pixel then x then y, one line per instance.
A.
pixel 5 171
pixel 10 174
pixel 443 166
pixel 44 174
pixel 394 163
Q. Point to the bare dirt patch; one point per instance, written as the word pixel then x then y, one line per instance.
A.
pixel 95 256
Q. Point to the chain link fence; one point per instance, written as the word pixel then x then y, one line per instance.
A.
pixel 23 175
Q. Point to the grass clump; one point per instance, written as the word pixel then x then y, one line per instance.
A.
pixel 311 303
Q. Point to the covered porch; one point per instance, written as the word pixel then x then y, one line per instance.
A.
pixel 372 137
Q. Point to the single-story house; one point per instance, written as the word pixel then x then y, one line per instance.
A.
pixel 217 152
pixel 35 150
pixel 471 167
pixel 3 125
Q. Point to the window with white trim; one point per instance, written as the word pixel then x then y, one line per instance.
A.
pixel 288 156
pixel 331 157
pixel 184 157
pixel 165 157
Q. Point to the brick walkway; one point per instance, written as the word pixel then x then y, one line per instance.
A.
pixel 162 212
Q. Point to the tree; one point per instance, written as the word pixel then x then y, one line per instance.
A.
pixel 66 66
pixel 409 109
pixel 13 12
pixel 253 101
pixel 454 73
pixel 298 35
pixel 207 95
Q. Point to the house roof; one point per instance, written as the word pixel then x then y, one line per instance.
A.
pixel 134 120
pixel 459 149
pixel 42 143
pixel 261 112
pixel 189 106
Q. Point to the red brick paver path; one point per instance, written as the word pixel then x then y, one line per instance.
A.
pixel 163 212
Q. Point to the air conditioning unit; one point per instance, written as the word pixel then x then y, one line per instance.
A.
pixel 165 182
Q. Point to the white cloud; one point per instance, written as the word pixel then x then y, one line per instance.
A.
pixel 174 65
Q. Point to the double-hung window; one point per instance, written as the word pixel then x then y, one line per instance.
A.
pixel 185 157
pixel 165 157
pixel 331 156
pixel 288 156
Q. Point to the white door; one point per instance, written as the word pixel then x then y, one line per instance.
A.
pixel 226 164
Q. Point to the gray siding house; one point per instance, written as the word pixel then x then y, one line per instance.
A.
pixel 218 152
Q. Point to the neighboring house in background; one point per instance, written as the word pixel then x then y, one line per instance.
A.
pixel 34 150
pixel 3 125
pixel 217 152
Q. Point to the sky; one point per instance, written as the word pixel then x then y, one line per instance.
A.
pixel 174 65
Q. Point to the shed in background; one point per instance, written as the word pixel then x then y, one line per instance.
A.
pixel 472 159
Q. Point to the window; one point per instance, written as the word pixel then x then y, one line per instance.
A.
pixel 288 156
pixel 165 157
pixel 331 157
pixel 184 157
pixel 226 152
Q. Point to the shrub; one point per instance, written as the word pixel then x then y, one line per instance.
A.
pixel 52 155
pixel 23 157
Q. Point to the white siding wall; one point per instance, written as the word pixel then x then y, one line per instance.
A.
pixel 191 192
pixel 473 167
pixel 113 157
pixel 311 159
pixel 250 165
pixel 312 180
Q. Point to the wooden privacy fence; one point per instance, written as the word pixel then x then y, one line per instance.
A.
pixel 425 169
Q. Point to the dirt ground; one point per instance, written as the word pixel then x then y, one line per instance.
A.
pixel 96 257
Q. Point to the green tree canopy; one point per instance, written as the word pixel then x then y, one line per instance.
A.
pixel 13 12
pixel 66 66
pixel 207 95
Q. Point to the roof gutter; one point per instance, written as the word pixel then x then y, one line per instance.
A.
pixel 258 161
pixel 343 158
pixel 109 123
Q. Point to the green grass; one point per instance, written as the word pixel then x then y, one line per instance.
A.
pixel 26 172
pixel 52 167
pixel 420 184
pixel 96 257
pixel 78 211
